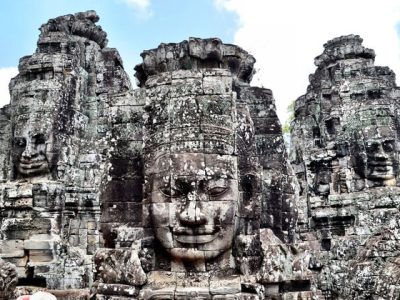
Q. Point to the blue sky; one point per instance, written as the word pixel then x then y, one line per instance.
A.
pixel 284 36
pixel 130 27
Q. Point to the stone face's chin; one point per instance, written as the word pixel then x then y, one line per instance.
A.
pixel 187 254
pixel 193 254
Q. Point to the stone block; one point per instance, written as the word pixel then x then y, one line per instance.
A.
pixel 117 290
pixel 216 85
pixel 126 168
pixel 11 248
pixel 183 74
pixel 24 228
pixel 19 203
pixel 127 114
pixel 92 226
pixel 185 87
pixel 37 245
pixel 19 191
pixel 129 190
pixel 123 212
pixel 40 256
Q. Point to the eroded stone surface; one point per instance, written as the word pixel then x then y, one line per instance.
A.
pixel 182 188
pixel 212 199
pixel 345 154
pixel 195 54
pixel 8 279
pixel 184 183
pixel 56 153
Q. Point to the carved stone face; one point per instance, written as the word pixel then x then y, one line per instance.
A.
pixel 32 148
pixel 381 160
pixel 32 160
pixel 193 206
pixel 322 179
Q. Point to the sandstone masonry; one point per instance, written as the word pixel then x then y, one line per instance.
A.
pixel 182 188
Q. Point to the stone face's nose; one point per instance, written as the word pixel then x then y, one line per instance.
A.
pixel 29 149
pixel 380 153
pixel 192 214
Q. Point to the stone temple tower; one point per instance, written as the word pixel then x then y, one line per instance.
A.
pixel 218 212
pixel 180 188
pixel 55 153
pixel 346 154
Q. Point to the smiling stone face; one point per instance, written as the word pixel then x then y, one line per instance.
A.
pixel 193 206
pixel 381 163
pixel 33 153
pixel 380 160
pixel 33 159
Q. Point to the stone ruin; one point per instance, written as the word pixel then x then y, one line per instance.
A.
pixel 182 188
pixel 217 216
pixel 345 152
pixel 55 153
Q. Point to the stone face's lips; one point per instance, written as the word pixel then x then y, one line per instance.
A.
pixel 196 239
pixel 31 165
pixel 382 167
pixel 381 164
pixel 196 235
pixel 381 170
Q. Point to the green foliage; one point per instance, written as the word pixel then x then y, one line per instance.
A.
pixel 286 127
pixel 290 109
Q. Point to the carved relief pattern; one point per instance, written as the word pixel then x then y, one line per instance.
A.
pixel 182 188
pixel 345 151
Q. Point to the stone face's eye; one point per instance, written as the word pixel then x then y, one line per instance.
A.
pixel 217 191
pixel 372 147
pixel 39 139
pixel 20 142
pixel 171 192
pixel 388 146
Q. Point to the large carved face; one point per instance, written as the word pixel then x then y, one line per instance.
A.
pixel 381 154
pixel 381 162
pixel 33 145
pixel 322 178
pixel 194 201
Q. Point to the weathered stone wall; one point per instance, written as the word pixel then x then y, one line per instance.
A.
pixel 57 162
pixel 5 135
pixel 182 187
pixel 211 158
pixel 345 152
pixel 81 155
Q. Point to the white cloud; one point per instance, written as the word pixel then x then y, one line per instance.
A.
pixel 142 7
pixel 5 75
pixel 286 35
